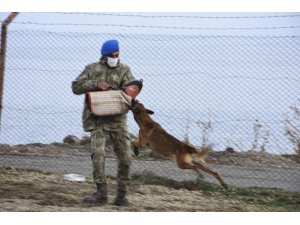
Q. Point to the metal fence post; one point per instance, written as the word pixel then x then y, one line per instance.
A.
pixel 2 55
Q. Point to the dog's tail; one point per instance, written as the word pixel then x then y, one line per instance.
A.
pixel 203 153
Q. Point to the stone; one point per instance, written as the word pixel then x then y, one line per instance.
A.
pixel 72 139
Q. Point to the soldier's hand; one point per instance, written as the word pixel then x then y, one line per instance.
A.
pixel 103 86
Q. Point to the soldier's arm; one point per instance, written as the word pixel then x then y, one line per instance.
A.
pixel 83 84
pixel 128 77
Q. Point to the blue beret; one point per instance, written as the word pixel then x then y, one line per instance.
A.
pixel 109 47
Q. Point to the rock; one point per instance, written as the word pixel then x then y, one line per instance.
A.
pixel 293 157
pixel 25 150
pixel 5 148
pixel 144 190
pixel 85 140
pixel 37 145
pixel 11 168
pixel 57 144
pixel 229 150
pixel 72 139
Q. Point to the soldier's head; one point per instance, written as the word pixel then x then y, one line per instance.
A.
pixel 110 52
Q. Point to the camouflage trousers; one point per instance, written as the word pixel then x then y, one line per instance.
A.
pixel 121 146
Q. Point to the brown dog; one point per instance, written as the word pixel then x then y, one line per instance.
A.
pixel 158 140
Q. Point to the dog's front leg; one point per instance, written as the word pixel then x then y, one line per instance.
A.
pixel 140 143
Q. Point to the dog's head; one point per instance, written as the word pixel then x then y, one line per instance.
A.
pixel 138 108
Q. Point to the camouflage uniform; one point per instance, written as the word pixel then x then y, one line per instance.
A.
pixel 103 126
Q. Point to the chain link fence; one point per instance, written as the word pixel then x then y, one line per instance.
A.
pixel 233 93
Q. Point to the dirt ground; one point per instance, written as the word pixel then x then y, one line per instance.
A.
pixel 28 190
pixel 25 190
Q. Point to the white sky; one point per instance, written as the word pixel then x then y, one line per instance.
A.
pixel 151 6
pixel 167 25
pixel 272 23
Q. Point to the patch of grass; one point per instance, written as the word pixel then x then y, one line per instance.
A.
pixel 147 177
pixel 282 201
pixel 206 186
pixel 250 192
pixel 266 197
pixel 252 195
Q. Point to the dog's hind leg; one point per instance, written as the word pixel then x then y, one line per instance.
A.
pixel 204 167
pixel 190 167
pixel 184 161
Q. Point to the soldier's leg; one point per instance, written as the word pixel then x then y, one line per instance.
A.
pixel 98 139
pixel 122 150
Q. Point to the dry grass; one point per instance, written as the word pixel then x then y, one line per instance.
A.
pixel 25 190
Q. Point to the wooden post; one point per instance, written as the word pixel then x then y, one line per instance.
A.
pixel 2 55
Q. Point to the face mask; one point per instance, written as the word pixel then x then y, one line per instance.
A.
pixel 112 62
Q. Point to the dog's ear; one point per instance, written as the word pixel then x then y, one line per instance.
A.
pixel 150 112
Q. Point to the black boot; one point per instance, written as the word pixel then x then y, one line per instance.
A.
pixel 99 197
pixel 121 200
pixel 136 151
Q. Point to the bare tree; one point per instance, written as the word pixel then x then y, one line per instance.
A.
pixel 262 135
pixel 206 128
pixel 186 138
pixel 292 127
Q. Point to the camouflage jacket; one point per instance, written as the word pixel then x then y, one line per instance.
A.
pixel 87 81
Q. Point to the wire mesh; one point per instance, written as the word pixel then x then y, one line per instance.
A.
pixel 228 92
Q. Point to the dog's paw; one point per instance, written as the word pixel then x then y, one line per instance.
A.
pixel 225 186
pixel 136 151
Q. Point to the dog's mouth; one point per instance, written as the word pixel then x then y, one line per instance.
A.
pixel 133 103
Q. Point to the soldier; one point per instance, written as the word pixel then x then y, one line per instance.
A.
pixel 105 75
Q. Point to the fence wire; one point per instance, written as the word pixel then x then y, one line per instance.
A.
pixel 228 92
